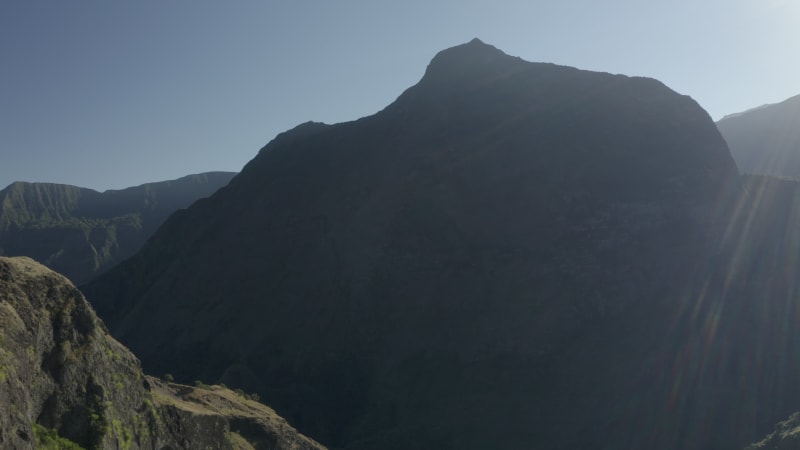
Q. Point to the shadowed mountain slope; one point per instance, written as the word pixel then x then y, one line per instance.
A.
pixel 64 383
pixel 765 140
pixel 80 232
pixel 501 258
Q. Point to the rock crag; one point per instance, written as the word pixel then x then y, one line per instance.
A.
pixel 63 378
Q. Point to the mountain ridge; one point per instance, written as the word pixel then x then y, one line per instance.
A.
pixel 81 232
pixel 446 260
pixel 765 140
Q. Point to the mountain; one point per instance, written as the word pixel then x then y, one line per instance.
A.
pixel 765 140
pixel 80 232
pixel 510 255
pixel 66 384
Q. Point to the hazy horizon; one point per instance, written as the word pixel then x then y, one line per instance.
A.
pixel 107 96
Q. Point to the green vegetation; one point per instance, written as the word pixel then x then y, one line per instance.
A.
pixel 104 400
pixel 48 439
pixel 254 396
pixel 98 427
pixel 235 440
pixel 141 426
pixel 122 433
pixel 79 232
pixel 5 367
pixel 98 420
pixel 118 380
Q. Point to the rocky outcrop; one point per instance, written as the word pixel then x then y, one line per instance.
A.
pixel 216 417
pixel 785 437
pixel 61 371
pixel 765 140
pixel 80 232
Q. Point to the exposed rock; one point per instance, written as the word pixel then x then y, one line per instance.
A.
pixel 221 418
pixel 80 232
pixel 785 437
pixel 60 370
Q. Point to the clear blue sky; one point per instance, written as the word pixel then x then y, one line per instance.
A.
pixel 109 94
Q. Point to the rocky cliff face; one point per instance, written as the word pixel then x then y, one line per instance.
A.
pixel 765 140
pixel 61 371
pixel 80 232
pixel 786 436
pixel 488 262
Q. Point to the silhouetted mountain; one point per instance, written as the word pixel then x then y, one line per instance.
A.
pixel 80 232
pixel 65 382
pixel 511 255
pixel 765 140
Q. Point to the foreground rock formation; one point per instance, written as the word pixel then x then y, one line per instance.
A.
pixel 63 378
pixel 786 436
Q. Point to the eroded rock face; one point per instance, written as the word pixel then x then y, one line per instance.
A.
pixel 786 436
pixel 216 417
pixel 59 369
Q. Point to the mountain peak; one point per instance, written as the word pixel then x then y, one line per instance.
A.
pixel 513 198
pixel 475 48
pixel 476 41
pixel 474 56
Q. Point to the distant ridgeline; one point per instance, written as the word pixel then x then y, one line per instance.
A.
pixel 765 140
pixel 81 232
